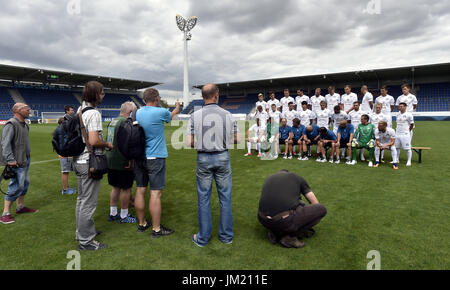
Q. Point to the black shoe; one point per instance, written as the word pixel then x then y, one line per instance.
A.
pixel 142 229
pixel 273 239
pixel 162 232
pixel 291 242
pixel 97 233
pixel 94 246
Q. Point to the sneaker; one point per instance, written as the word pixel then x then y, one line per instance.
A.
pixel 259 154
pixel 392 162
pixel 376 164
pixel 323 160
pixel 353 162
pixel 299 158
pixel 382 160
pixel 305 158
pixel 395 167
pixel 68 191
pixel 7 219
pixel 97 233
pixel 291 242
pixel 273 239
pixel 319 159
pixel 248 154
pixel 331 161
pixel 142 229
pixel 337 161
pixel 129 219
pixel 290 157
pixel 285 156
pixel 162 232
pixel 408 164
pixel 195 242
pixel 26 210
pixel 94 246
pixel 112 218
pixel 370 164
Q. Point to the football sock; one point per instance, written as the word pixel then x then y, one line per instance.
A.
pixel 249 147
pixel 409 155
pixel 123 213
pixel 113 210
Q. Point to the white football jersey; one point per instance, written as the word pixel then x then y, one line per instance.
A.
pixel 333 100
pixel 285 103
pixel 337 118
pixel 403 123
pixel 348 100
pixel 274 101
pixel 315 103
pixel 365 104
pixel 262 104
pixel 290 116
pixel 355 118
pixel 385 137
pixel 275 116
pixel 323 118
pixel 256 130
pixel 299 100
pixel 386 101
pixel 410 101
pixel 376 118
pixel 306 117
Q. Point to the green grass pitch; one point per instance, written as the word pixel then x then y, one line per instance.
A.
pixel 402 214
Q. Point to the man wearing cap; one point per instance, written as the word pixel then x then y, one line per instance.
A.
pixel 15 153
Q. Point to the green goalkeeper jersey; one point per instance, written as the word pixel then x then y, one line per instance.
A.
pixel 365 133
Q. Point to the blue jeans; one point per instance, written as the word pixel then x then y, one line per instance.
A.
pixel 18 185
pixel 217 166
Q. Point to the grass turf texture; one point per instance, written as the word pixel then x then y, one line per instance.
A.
pixel 403 214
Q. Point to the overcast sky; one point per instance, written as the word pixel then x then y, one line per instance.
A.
pixel 233 40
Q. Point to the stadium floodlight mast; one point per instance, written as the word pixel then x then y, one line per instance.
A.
pixel 186 26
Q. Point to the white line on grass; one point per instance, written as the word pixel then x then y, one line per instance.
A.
pixel 44 161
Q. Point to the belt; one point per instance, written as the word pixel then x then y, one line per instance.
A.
pixel 277 217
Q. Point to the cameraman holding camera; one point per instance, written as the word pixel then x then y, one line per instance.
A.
pixel 15 154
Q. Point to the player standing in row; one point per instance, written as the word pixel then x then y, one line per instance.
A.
pixel 261 115
pixel 367 101
pixel 261 102
pixel 274 115
pixel 387 102
pixel 258 136
pixel 323 115
pixel 332 99
pixel 385 140
pixel 405 126
pixel 378 116
pixel 272 101
pixel 348 99
pixel 301 97
pixel 306 115
pixel 315 101
pixel 409 99
pixel 290 114
pixel 286 100
pixel 364 138
pixel 337 116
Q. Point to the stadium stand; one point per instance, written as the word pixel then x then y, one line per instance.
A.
pixel 6 103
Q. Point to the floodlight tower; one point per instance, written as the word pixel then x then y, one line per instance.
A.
pixel 186 26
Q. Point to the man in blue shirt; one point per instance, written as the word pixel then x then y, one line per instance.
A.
pixel 283 136
pixel 310 137
pixel 345 133
pixel 296 137
pixel 153 168
pixel 326 140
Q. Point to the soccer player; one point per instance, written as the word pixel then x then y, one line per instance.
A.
pixel 283 136
pixel 348 99
pixel 364 138
pixel 286 100
pixel 327 139
pixel 332 99
pixel 261 102
pixel 405 126
pixel 378 116
pixel 344 140
pixel 355 118
pixel 387 102
pixel 323 116
pixel 290 115
pixel 274 114
pixel 367 101
pixel 301 97
pixel 409 99
pixel 385 140
pixel 258 136
pixel 337 117
pixel 305 115
pixel 262 115
pixel 272 101
pixel 295 138
pixel 310 137
pixel 315 101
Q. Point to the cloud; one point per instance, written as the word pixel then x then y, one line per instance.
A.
pixel 233 40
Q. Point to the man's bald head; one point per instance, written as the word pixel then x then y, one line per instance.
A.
pixel 209 91
pixel 19 106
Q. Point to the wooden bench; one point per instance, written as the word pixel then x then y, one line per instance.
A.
pixel 418 150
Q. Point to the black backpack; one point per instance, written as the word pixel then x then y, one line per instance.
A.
pixel 67 138
pixel 132 138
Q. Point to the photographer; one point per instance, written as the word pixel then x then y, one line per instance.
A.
pixel 15 153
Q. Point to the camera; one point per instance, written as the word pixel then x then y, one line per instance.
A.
pixel 8 173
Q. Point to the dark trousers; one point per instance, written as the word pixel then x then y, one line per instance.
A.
pixel 298 222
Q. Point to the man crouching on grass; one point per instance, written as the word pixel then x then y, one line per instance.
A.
pixel 283 213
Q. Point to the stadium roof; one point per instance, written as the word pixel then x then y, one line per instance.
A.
pixel 45 76
pixel 364 76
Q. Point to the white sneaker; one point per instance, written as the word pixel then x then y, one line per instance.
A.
pixel 319 159
pixel 392 162
pixel 323 160
pixel 285 156
pixel 337 161
pixel 353 162
pixel 299 158
pixel 248 154
pixel 408 164
pixel 370 164
pixel 305 158
pixel 290 157
pixel 331 161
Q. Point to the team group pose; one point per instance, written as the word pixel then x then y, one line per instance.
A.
pixel 337 124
